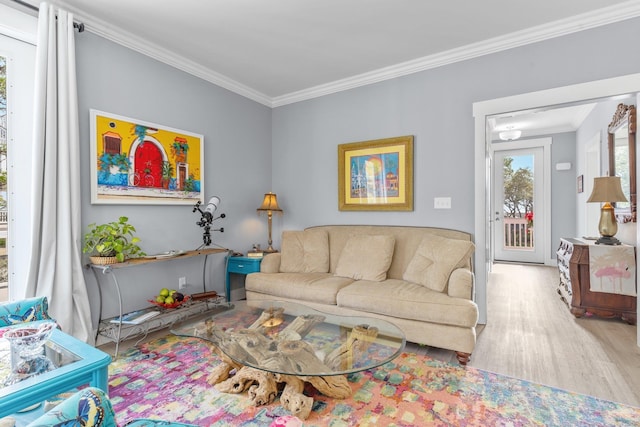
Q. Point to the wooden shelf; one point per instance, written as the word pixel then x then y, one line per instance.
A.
pixel 140 261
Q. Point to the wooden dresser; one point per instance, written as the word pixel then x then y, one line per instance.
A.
pixel 575 282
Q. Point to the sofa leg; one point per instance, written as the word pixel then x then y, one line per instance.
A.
pixel 463 358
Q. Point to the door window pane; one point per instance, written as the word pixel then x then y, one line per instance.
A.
pixel 518 202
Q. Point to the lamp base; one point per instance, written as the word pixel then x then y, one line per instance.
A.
pixel 608 240
pixel 270 250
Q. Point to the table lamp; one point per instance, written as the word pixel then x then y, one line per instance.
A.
pixel 607 189
pixel 270 205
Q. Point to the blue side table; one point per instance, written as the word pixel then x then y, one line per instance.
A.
pixel 240 265
pixel 78 364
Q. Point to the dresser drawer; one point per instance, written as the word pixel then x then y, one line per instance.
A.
pixel 242 265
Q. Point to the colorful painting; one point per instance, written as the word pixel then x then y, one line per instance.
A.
pixel 613 269
pixel 136 162
pixel 376 175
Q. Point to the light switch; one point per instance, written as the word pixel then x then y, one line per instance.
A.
pixel 442 202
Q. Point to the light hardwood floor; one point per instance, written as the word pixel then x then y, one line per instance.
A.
pixel 531 335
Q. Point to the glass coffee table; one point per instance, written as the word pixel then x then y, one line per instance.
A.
pixel 75 363
pixel 273 342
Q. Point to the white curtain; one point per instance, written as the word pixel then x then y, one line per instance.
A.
pixel 55 267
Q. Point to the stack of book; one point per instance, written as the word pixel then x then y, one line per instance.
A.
pixel 136 317
pixel 255 254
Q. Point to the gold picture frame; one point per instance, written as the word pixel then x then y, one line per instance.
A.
pixel 376 175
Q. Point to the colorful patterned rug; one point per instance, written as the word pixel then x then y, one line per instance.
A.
pixel 166 379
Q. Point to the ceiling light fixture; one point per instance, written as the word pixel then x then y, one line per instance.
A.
pixel 510 135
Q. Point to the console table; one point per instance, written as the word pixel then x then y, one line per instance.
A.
pixel 575 283
pixel 119 331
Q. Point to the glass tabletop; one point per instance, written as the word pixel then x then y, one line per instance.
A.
pixel 55 356
pixel 293 339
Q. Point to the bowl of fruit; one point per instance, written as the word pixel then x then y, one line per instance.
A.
pixel 169 298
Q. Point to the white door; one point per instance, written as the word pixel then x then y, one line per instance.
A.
pixel 19 58
pixel 519 225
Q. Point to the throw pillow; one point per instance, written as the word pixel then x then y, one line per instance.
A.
pixel 305 252
pixel 366 257
pixel 435 259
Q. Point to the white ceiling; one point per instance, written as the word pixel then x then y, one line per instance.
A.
pixel 543 121
pixel 282 51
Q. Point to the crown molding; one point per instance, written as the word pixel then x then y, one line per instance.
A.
pixel 597 18
pixel 18 25
pixel 138 44
pixel 536 34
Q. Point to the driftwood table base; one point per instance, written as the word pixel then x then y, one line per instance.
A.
pixel 263 388
pixel 287 353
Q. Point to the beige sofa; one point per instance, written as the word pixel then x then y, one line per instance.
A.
pixel 418 278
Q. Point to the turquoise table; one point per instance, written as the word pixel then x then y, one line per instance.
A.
pixel 240 265
pixel 78 364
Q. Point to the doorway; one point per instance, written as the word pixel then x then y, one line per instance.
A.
pixel 519 200
pixel 483 202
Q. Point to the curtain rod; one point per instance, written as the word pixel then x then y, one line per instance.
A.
pixel 78 25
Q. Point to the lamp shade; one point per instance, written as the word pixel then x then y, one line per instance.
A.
pixel 270 203
pixel 607 189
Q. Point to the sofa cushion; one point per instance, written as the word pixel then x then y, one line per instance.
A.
pixel 316 287
pixel 435 259
pixel 407 300
pixel 305 252
pixel 366 257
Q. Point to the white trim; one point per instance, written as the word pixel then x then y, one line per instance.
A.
pixel 520 38
pixel 166 56
pixel 482 110
pixel 597 18
pixel 18 25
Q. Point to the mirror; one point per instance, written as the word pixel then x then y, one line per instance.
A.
pixel 622 157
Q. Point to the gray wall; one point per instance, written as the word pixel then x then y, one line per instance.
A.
pixel 237 157
pixel 292 150
pixel 436 107
pixel 563 189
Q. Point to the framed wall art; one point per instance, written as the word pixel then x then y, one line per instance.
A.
pixel 580 183
pixel 376 175
pixel 137 162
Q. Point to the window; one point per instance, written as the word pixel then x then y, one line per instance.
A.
pixel 4 267
pixel 17 53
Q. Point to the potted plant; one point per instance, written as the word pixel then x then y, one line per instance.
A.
pixel 112 242
pixel 167 174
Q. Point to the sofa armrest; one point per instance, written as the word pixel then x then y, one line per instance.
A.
pixel 270 263
pixel 94 400
pixel 26 310
pixel 461 283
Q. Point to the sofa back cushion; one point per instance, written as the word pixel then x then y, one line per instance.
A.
pixel 435 259
pixel 366 257
pixel 305 252
pixel 407 238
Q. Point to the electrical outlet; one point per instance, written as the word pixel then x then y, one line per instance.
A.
pixel 182 282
